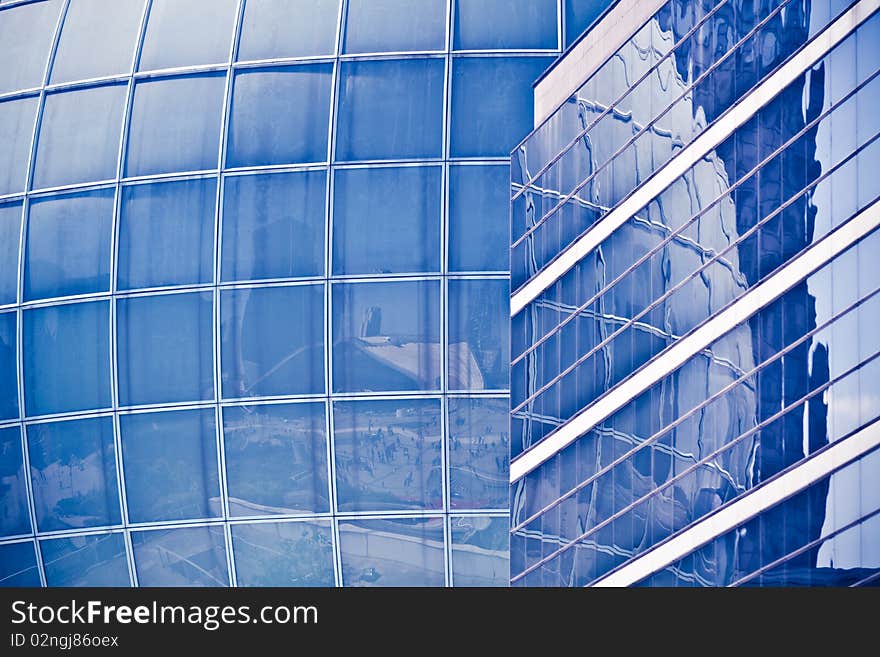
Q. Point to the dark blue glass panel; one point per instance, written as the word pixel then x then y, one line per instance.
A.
pixel 67 247
pixel 479 334
pixel 579 15
pixel 16 131
pixel 73 474
pixel 386 220
pixel 386 336
pixel 189 556
pixel 276 459
pixel 8 367
pixel 10 229
pixel 479 444
pixel 170 465
pixel 388 455
pixel 67 358
pixel 188 33
pixel 390 109
pixel 261 360
pixel 275 28
pixel 283 554
pixel 18 565
pixel 98 560
pixel 165 348
pixel 14 514
pixel 501 24
pixel 480 552
pixel 394 26
pixel 478 218
pixel 26 34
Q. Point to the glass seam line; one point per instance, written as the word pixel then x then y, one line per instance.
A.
pixel 696 150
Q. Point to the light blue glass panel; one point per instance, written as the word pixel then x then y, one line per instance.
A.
pixel 386 220
pixel 187 33
pixel 273 225
pixel 26 34
pixel 492 103
pixel 98 38
pixel 480 551
pixel 14 514
pixel 501 24
pixel 388 455
pixel 479 444
pixel 67 247
pixel 8 368
pixel 395 26
pixel 170 465
pixel 166 234
pixel 79 136
pixel 175 124
pixel 16 131
pixel 272 341
pixel 10 228
pixel 479 334
pixel 390 109
pixel 97 560
pixel 392 552
pixel 67 358
pixel 189 556
pixel 18 565
pixel 386 336
pixel 275 28
pixel 73 474
pixel 283 554
pixel 165 348
pixel 479 227
pixel 276 459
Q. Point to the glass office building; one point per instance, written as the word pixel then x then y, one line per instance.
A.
pixel 695 383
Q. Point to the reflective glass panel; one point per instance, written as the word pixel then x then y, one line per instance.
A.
pixel 579 15
pixel 98 560
pixel 478 218
pixel 479 444
pixel 18 565
pixel 8 367
pixel 283 554
pixel 501 24
pixel 14 514
pixel 188 33
pixel 10 227
pixel 26 34
pixel 275 28
pixel 395 26
pixel 479 334
pixel 189 556
pixel 16 130
pixel 480 553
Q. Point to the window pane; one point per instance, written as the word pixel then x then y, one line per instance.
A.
pixel 18 565
pixel 26 34
pixel 272 341
pixel 275 28
pixel 73 470
pixel 16 130
pixel 273 225
pixel 170 465
pixel 86 561
pixel 68 244
pixel 479 353
pixel 14 515
pixel 386 336
pixel 283 554
pixel 395 26
pixel 276 459
pixel 480 552
pixel 479 444
pixel 175 124
pixel 280 116
pixel 10 228
pixel 579 15
pixel 67 358
pixel 390 109
pixel 386 220
pixel 392 552
pixel 79 136
pixel 8 368
pixel 478 218
pixel 190 556
pixel 98 39
pixel 188 33
pixel 501 24
pixel 165 348
pixel 166 234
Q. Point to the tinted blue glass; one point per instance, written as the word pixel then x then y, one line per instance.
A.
pixel 273 226
pixel 386 220
pixel 390 109
pixel 8 368
pixel 10 227
pixel 170 465
pixel 26 34
pixel 166 234
pixel 492 103
pixel 579 15
pixel 283 554
pixel 18 565
pixel 259 359
pixel 392 552
pixel 67 358
pixel 500 24
pixel 479 334
pixel 165 348
pixel 298 100
pixel 79 136
pixel 480 552
pixel 67 247
pixel 187 33
pixel 14 514
pixel 479 444
pixel 190 556
pixel 275 28
pixel 394 26
pixel 478 218
pixel 73 474
pixel 86 561
pixel 175 124
pixel 388 455
pixel 15 135
pixel 386 336
pixel 276 459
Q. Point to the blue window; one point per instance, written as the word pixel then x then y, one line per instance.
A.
pixel 165 348
pixel 73 472
pixel 386 336
pixel 390 109
pixel 189 556
pixel 386 220
pixel 86 561
pixel 501 24
pixel 395 26
pixel 479 332
pixel 10 227
pixel 275 28
pixel 26 34
pixel 272 341
pixel 16 129
pixel 480 552
pixel 175 124
pixel 478 218
pixel 67 247
pixel 67 358
pixel 579 15
pixel 14 515
pixel 18 565
pixel 283 554
pixel 276 459
pixel 8 368
pixel 166 234
pixel 296 99
pixel 273 225
pixel 79 136
pixel 479 444
pixel 188 33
